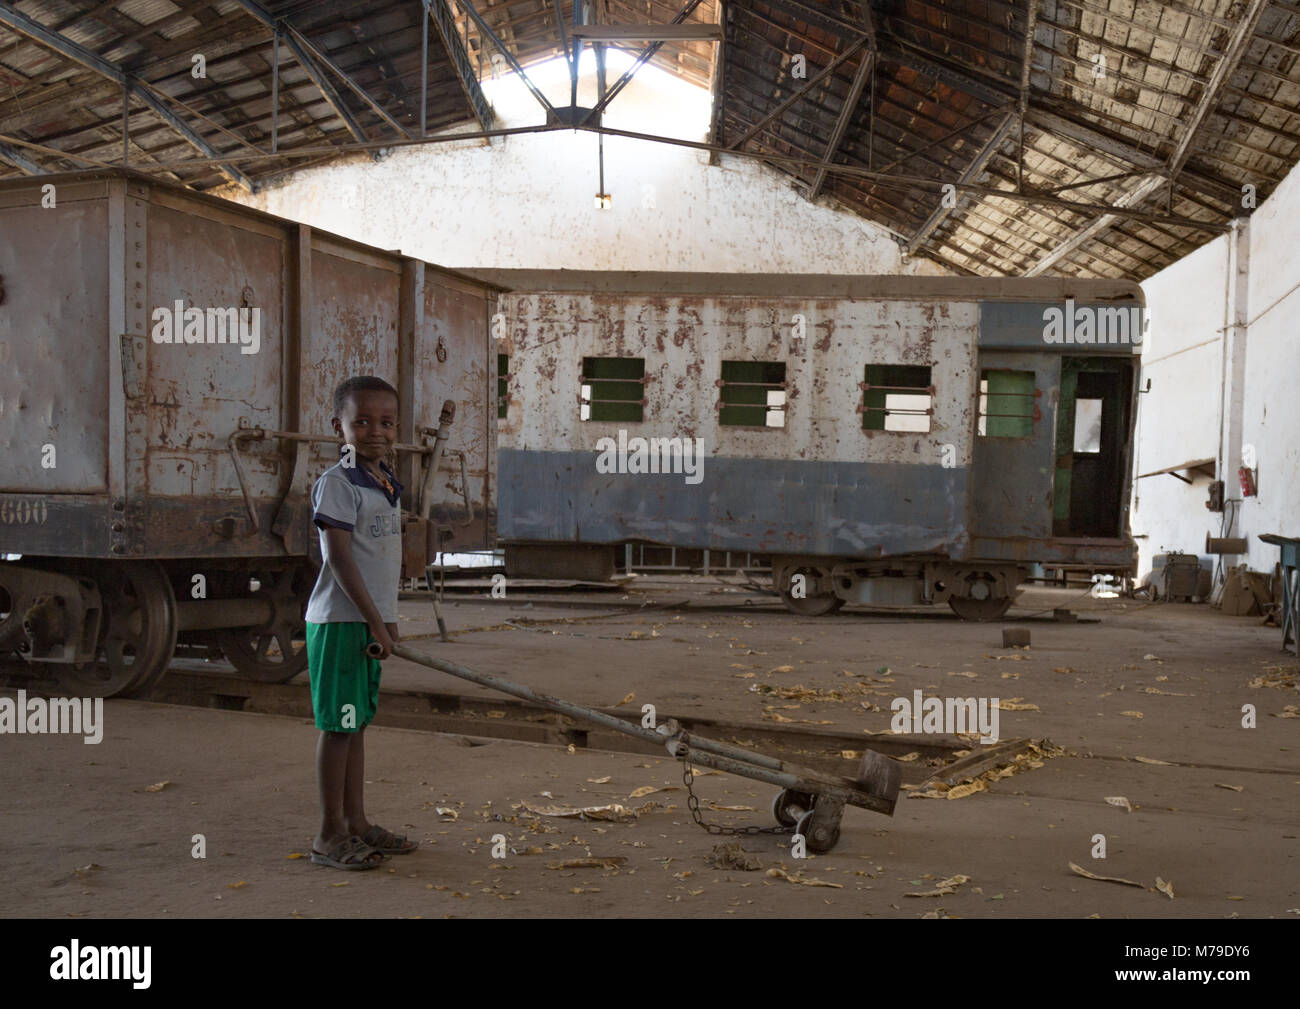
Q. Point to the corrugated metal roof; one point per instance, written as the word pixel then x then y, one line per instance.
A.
pixel 872 106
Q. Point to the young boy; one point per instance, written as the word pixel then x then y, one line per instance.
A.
pixel 355 505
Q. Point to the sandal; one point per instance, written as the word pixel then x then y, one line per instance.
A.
pixel 387 842
pixel 351 853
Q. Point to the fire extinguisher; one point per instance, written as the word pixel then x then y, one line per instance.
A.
pixel 1247 478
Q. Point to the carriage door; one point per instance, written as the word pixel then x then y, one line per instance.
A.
pixel 1091 446
pixel 1014 456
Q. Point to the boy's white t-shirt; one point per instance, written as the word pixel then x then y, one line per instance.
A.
pixel 348 497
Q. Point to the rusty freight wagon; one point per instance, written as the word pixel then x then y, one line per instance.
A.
pixel 167 361
pixel 891 440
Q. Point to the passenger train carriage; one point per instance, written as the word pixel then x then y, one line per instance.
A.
pixel 891 440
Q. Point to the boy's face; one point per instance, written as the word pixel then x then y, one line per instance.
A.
pixel 369 423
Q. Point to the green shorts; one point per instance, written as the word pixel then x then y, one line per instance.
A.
pixel 344 679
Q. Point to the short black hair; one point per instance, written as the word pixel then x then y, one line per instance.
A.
pixel 358 383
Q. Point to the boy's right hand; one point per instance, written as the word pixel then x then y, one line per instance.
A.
pixel 384 640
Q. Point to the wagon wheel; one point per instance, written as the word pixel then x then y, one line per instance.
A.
pixel 275 652
pixel 138 635
pixel 809 606
pixel 784 800
pixel 980 609
pixel 820 829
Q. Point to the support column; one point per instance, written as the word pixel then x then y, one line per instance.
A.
pixel 1232 423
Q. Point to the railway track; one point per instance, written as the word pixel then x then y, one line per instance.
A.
pixel 194 683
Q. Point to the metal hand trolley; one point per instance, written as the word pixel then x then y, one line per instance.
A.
pixel 810 802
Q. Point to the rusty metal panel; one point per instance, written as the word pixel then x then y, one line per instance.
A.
pixel 54 359
pixel 819 484
pixel 1013 477
pixel 354 331
pixel 149 422
pixel 684 341
pixel 454 360
pixel 199 394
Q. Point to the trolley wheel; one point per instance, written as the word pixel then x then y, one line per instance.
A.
pixel 819 833
pixel 809 606
pixel 276 652
pixel 138 637
pixel 784 800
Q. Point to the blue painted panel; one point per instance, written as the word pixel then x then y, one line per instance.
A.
pixel 1010 325
pixel 761 505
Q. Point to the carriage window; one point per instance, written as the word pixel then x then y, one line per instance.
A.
pixel 613 388
pixel 897 397
pixel 753 394
pixel 1087 426
pixel 1008 404
pixel 503 382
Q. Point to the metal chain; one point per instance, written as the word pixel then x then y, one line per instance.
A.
pixel 693 804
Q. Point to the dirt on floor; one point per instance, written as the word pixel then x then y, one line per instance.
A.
pixel 1145 701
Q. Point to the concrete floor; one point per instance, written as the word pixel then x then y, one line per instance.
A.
pixel 1215 806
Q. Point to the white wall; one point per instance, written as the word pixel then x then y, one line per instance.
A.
pixel 1180 420
pixel 1272 410
pixel 528 201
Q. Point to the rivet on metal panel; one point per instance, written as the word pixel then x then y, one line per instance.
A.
pixel 116 548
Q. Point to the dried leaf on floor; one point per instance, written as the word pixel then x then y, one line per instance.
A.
pixel 1231 788
pixel 1120 801
pixel 613 811
pixel 797 877
pixel 645 790
pixel 600 781
pixel 1165 887
pixel 1015 704
pixel 1132 714
pixel 944 887
pixel 607 862
pixel 1152 760
pixel 157 787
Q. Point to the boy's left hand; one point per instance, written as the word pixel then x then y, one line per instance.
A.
pixel 392 632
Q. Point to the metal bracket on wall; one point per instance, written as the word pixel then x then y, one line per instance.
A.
pixel 132 364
